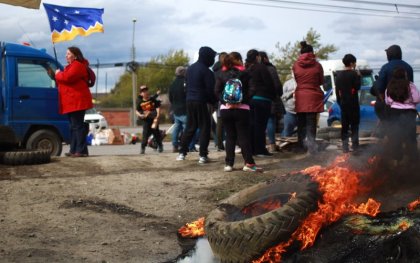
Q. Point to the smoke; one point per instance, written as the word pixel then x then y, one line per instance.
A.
pixel 202 253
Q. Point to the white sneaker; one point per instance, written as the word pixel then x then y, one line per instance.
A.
pixel 181 157
pixel 252 168
pixel 203 160
pixel 228 168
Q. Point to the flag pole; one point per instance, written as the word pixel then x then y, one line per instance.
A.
pixel 55 52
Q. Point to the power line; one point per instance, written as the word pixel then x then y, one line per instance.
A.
pixel 340 6
pixel 378 3
pixel 315 10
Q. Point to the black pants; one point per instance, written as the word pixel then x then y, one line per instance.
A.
pixel 77 132
pixel 307 130
pixel 260 112
pixel 198 117
pixel 147 131
pixel 237 123
pixel 402 134
pixel 350 119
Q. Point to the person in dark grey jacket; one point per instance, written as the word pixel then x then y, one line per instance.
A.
pixel 177 98
pixel 200 82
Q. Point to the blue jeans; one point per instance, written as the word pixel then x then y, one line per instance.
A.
pixel 271 129
pixel 78 142
pixel 180 122
pixel 290 123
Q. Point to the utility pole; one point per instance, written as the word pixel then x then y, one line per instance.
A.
pixel 134 73
pixel 97 80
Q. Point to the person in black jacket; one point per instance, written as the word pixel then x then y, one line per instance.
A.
pixel 236 116
pixel 263 93
pixel 177 98
pixel 347 86
pixel 200 92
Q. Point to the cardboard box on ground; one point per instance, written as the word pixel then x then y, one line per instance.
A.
pixel 111 136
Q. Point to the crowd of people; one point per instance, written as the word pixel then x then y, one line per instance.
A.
pixel 247 117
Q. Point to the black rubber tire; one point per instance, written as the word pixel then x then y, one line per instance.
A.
pixel 25 157
pixel 45 140
pixel 245 240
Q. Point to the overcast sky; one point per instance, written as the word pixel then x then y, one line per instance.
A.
pixel 164 25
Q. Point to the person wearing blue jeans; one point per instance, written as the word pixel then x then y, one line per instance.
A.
pixel 180 122
pixel 177 98
pixel 288 98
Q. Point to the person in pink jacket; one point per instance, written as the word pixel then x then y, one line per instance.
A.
pixel 74 98
pixel 309 97
pixel 401 96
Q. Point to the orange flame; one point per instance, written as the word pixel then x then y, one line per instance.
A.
pixel 339 185
pixel 413 205
pixel 193 230
pixel 404 226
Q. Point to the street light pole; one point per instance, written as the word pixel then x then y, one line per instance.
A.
pixel 134 73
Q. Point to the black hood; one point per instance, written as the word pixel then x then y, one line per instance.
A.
pixel 393 52
pixel 207 56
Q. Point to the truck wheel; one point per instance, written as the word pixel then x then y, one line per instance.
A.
pixel 45 140
pixel 236 236
pixel 25 157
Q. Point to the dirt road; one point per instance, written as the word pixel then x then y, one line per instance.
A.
pixel 118 208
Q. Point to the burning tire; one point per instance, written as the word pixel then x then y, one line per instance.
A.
pixel 25 157
pixel 236 235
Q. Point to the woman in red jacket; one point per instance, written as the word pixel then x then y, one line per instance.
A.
pixel 309 77
pixel 74 98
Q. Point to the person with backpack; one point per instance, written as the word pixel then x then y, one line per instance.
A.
pixel 347 86
pixel 75 98
pixel 232 89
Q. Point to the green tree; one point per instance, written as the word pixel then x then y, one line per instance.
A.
pixel 289 53
pixel 157 74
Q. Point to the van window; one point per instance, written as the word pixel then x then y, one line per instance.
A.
pixel 367 80
pixel 327 83
pixel 36 74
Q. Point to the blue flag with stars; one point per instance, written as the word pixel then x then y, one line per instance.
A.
pixel 68 22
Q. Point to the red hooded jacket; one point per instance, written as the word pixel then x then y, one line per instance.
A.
pixel 309 77
pixel 73 90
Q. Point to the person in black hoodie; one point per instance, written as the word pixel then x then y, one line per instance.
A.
pixel 394 57
pixel 200 92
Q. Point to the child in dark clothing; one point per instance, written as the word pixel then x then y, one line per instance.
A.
pixel 148 109
pixel 347 85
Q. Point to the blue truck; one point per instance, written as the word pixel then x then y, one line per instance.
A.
pixel 29 117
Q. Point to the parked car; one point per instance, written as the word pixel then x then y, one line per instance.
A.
pixel 96 120
pixel 368 118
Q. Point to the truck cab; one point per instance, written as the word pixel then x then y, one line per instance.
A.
pixel 29 115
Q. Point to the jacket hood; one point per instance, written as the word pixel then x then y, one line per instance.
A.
pixel 206 55
pixel 306 60
pixel 393 52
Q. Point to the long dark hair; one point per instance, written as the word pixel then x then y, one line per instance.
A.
pixel 77 53
pixel 399 86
